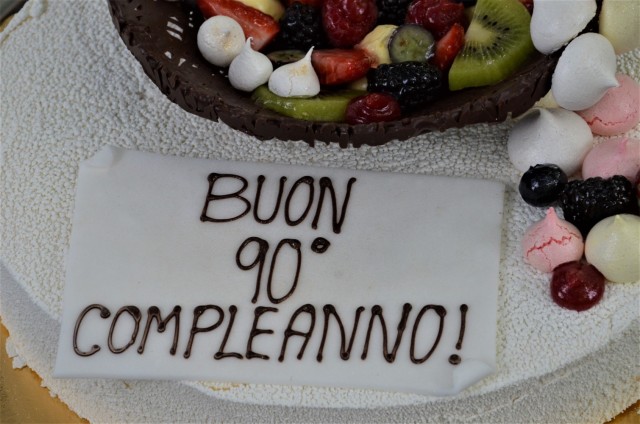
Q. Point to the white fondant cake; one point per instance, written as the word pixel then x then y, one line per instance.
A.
pixel 70 87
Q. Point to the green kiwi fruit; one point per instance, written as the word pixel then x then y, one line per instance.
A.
pixel 325 107
pixel 497 43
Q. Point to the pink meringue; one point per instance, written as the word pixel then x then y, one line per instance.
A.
pixel 618 111
pixel 616 156
pixel 551 242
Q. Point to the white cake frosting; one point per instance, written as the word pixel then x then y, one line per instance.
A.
pixel 70 87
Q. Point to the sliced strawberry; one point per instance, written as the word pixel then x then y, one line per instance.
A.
pixel 340 66
pixel 448 47
pixel 262 27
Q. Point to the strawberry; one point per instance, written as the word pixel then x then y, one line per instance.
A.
pixel 262 27
pixel 346 22
pixel 340 66
pixel 448 47
pixel 436 16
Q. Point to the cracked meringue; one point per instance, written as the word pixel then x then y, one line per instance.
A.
pixel 551 242
pixel 297 79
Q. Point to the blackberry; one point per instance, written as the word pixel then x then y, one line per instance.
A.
pixel 392 11
pixel 542 185
pixel 301 28
pixel 586 202
pixel 412 83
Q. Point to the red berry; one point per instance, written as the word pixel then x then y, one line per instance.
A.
pixel 262 27
pixel 346 22
pixel 577 285
pixel 373 107
pixel 528 4
pixel 437 16
pixel 340 66
pixel 447 47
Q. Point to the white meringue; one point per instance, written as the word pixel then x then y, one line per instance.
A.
pixel 556 136
pixel 613 247
pixel 297 79
pixel 585 71
pixel 619 21
pixel 220 40
pixel 554 23
pixel 250 69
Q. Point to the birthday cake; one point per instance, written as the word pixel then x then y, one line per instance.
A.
pixel 73 100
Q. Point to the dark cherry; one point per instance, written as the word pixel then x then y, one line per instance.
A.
pixel 542 184
pixel 373 107
pixel 577 285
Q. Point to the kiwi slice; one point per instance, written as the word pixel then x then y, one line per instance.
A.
pixel 325 107
pixel 496 44
pixel 411 43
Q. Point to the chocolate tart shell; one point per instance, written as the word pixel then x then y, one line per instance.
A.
pixel 162 36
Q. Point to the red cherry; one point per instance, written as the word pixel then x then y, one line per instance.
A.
pixel 577 285
pixel 373 107
pixel 437 16
pixel 346 22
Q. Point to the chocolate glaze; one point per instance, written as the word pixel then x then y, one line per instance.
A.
pixel 154 313
pixel 204 90
pixel 135 313
pixel 441 312
pixel 345 350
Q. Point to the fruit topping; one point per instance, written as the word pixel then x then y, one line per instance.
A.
pixel 448 47
pixel 613 247
pixel 411 83
pixel 392 11
pixel 411 43
pixel 282 57
pixel 273 8
pixel 340 66
pixel 261 27
pixel 346 22
pixel 301 27
pixel 542 184
pixel 220 40
pixel 577 286
pixel 297 79
pixel 436 16
pixel 249 69
pixel 497 42
pixel 322 108
pixel 373 107
pixel 586 202
pixel 376 44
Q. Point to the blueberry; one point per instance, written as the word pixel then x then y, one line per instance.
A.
pixel 542 184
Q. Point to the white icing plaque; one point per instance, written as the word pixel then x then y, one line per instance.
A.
pixel 259 273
